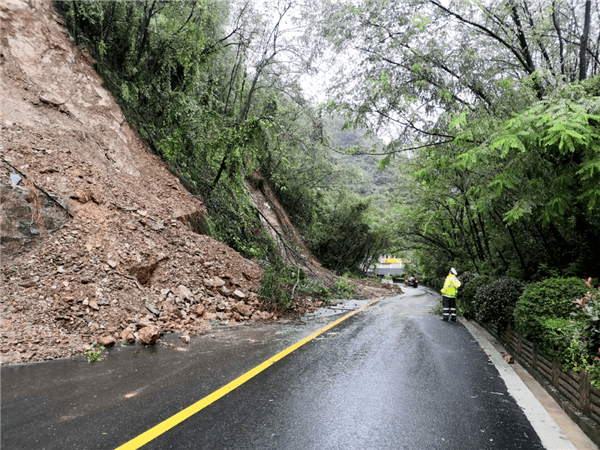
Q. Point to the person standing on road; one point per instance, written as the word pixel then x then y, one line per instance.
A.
pixel 449 296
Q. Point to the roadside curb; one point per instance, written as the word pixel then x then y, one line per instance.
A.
pixel 556 430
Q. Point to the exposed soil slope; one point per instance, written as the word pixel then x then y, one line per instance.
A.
pixel 99 239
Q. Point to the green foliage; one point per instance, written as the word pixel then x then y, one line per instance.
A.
pixel 593 369
pixel 584 329
pixel 278 283
pixel 282 284
pixel 548 299
pixel 411 268
pixel 560 339
pixel 94 352
pixel 435 283
pixel 314 288
pixel 495 301
pixel 486 205
pixel 587 320
pixel 557 336
pixel 344 237
pixel 471 283
pixel 235 222
pixel 344 288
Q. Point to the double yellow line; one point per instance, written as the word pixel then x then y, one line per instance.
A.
pixel 172 421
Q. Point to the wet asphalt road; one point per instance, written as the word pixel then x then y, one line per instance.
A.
pixel 391 377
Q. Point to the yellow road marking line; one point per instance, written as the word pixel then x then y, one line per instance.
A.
pixel 172 421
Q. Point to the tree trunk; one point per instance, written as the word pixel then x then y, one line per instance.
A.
pixel 218 177
pixel 513 241
pixel 584 41
pixel 561 45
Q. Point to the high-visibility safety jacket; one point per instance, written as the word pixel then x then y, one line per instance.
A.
pixel 450 286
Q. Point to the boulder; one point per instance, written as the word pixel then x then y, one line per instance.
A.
pixel 244 309
pixel 209 315
pixel 149 335
pixel 107 341
pixel 184 293
pixel 128 335
pixel 215 282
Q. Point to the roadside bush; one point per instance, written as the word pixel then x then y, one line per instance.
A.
pixel 278 283
pixel 556 337
pixel 471 283
pixel 434 283
pixel 561 338
pixel 548 299
pixel 496 301
pixel 586 322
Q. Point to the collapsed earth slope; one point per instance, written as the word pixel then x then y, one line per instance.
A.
pixel 100 242
pixel 97 235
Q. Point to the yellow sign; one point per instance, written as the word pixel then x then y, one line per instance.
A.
pixel 393 260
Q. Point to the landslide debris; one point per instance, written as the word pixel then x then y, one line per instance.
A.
pixel 98 237
pixel 100 242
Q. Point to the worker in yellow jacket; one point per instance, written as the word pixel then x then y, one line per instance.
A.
pixel 449 296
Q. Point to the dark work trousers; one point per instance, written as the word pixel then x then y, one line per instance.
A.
pixel 449 308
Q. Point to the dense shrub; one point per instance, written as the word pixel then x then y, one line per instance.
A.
pixel 495 301
pixel 434 283
pixel 556 336
pixel 471 282
pixel 548 299
pixel 586 321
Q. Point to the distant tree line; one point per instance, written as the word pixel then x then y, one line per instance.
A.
pixel 494 112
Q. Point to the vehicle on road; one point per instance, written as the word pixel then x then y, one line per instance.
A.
pixel 411 281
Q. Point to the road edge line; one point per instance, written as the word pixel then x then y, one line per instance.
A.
pixel 186 413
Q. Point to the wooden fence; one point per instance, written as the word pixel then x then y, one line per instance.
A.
pixel 572 390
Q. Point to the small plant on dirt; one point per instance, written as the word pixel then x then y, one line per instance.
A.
pixel 344 288
pixel 94 352
pixel 280 283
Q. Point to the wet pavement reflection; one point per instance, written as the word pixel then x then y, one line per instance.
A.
pixel 391 377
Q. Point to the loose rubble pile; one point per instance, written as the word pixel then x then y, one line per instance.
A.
pixel 100 242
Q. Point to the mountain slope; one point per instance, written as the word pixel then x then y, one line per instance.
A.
pixel 100 242
pixel 97 235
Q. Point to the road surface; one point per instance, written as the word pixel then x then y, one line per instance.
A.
pixel 392 376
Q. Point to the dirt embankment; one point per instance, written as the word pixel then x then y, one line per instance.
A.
pixel 99 239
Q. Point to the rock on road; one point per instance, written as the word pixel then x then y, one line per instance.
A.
pixel 390 377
